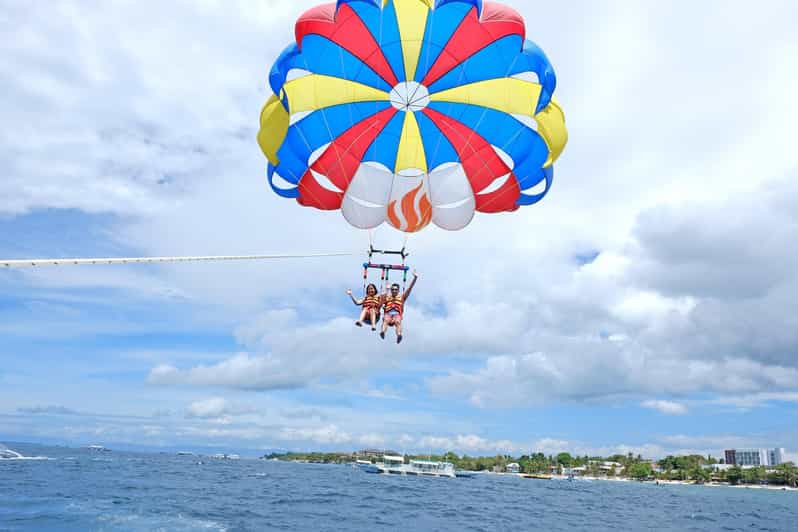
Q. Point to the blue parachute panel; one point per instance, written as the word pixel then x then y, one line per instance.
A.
pixel 390 42
pixel 322 56
pixel 439 30
pixel 437 147
pixel 498 60
pixel 316 130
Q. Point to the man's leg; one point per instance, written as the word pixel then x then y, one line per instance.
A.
pixel 385 322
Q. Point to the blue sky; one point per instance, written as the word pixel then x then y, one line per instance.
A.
pixel 647 305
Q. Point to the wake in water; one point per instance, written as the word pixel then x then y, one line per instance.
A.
pixel 10 454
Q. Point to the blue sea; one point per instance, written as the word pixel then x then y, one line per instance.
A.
pixel 78 489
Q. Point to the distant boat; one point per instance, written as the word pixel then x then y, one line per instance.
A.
pixel 366 465
pixel 10 454
pixel 185 453
pixel 224 456
pixel 99 448
pixel 395 465
pixel 538 476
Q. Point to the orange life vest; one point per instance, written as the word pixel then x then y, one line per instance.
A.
pixel 371 302
pixel 394 303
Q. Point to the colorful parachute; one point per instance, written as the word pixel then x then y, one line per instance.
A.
pixel 400 112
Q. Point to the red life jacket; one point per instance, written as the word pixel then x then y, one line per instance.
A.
pixel 371 302
pixel 394 303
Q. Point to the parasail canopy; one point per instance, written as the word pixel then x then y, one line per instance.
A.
pixel 408 113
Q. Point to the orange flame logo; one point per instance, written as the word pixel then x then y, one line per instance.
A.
pixel 416 211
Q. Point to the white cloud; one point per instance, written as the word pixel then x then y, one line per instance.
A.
pixel 671 408
pixel 466 443
pixel 215 407
pixel 239 371
pixel 325 435
pixel 755 400
pixel 589 370
pixel 372 440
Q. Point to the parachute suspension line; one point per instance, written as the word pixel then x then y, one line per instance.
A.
pixel 27 263
pixel 385 268
pixel 404 267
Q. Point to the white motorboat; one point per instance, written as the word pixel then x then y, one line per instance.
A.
pixel 395 465
pixel 366 465
pixel 225 456
pixel 10 454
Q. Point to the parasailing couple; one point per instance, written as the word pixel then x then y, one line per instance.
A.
pixel 391 302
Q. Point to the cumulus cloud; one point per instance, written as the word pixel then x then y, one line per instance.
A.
pixel 601 373
pixel 754 400
pixel 467 443
pixel 288 353
pixel 240 371
pixel 329 434
pixel 105 121
pixel 671 408
pixel 680 317
pixel 216 407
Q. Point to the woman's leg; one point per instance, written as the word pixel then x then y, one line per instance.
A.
pixel 362 317
pixel 373 316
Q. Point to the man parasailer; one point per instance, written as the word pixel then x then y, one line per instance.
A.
pixel 393 304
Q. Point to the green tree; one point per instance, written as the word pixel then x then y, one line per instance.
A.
pixel 788 473
pixel 565 459
pixel 734 475
pixel 640 470
pixel 700 475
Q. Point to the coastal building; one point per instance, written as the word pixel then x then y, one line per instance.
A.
pixel 776 456
pixel 513 468
pixel 717 467
pixel 374 453
pixel 731 456
pixel 574 471
pixel 754 457
pixel 609 467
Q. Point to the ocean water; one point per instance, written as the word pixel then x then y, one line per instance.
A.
pixel 85 490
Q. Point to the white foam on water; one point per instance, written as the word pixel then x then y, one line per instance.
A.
pixel 7 454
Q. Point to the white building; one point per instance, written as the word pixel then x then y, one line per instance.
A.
pixel 513 468
pixel 776 456
pixel 718 467
pixel 755 457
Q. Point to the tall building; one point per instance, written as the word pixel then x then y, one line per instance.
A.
pixel 755 457
pixel 776 456
pixel 731 456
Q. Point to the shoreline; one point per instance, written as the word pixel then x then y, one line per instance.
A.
pixel 772 487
